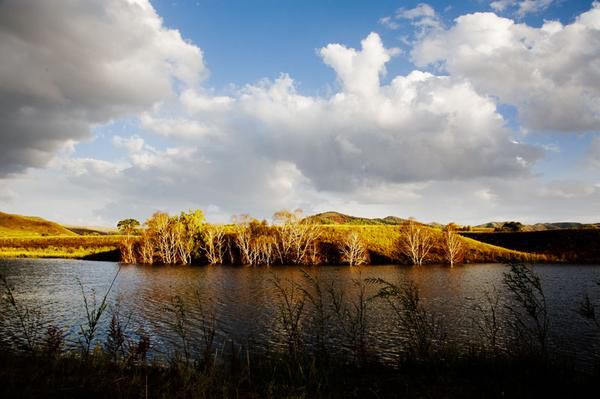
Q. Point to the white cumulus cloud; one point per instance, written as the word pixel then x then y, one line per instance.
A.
pixel 416 128
pixel 551 74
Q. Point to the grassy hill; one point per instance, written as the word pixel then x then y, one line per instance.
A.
pixel 92 230
pixel 329 218
pixel 28 236
pixel 30 226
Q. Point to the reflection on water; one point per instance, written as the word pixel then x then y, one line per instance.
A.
pixel 243 298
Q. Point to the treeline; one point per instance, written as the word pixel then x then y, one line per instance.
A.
pixel 292 240
pixel 186 237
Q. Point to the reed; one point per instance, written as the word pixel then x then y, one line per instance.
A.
pixel 93 313
pixel 528 307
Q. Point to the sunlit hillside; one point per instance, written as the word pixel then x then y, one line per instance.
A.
pixel 333 217
pixel 30 226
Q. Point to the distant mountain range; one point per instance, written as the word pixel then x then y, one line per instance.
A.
pixel 340 218
pixel 544 226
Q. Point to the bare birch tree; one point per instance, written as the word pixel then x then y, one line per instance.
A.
pixel 453 245
pixel 146 248
pixel 214 243
pixel 243 239
pixel 353 250
pixel 264 247
pixel 295 238
pixel 159 227
pixel 314 256
pixel 187 230
pixel 416 242
pixel 285 233
pixel 306 245
pixel 128 227
pixel 126 247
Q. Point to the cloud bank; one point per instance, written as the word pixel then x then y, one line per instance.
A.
pixel 67 67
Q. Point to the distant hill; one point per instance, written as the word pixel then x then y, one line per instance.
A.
pixel 340 218
pixel 92 230
pixel 332 217
pixel 544 226
pixel 17 225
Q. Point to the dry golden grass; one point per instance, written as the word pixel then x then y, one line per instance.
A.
pixel 28 226
pixel 57 247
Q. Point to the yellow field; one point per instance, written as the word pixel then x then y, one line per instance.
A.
pixel 57 247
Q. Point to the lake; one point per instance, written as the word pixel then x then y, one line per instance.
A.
pixel 244 302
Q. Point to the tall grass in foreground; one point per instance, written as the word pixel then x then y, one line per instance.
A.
pixel 93 313
pixel 423 329
pixel 325 348
pixel 529 309
pixel 489 322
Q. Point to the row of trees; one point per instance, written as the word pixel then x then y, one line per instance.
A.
pixel 291 239
pixel 179 239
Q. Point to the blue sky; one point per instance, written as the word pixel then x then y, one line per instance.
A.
pixel 374 108
pixel 248 40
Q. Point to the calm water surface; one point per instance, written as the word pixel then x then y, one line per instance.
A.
pixel 243 299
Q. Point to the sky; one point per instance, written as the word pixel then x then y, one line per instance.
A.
pixel 444 111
